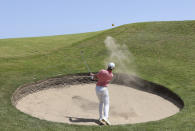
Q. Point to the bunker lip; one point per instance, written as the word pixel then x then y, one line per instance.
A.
pixel 77 79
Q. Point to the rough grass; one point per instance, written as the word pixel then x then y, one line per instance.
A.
pixel 163 51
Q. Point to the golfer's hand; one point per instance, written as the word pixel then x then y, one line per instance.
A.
pixel 91 74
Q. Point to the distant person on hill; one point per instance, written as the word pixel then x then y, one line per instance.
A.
pixel 104 77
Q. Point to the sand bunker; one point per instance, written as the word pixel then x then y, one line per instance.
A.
pixel 78 104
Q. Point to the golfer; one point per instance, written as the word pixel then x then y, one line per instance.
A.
pixel 103 77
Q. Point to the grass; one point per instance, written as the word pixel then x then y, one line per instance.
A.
pixel 164 53
pixel 39 45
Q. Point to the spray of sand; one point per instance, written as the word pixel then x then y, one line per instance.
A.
pixel 120 55
pixel 124 60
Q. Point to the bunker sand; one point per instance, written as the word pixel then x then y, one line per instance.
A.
pixel 78 104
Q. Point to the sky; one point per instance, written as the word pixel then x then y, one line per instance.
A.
pixel 31 18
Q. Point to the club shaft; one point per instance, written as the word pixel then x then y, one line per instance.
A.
pixel 85 63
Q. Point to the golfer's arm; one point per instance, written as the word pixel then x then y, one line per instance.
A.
pixel 94 76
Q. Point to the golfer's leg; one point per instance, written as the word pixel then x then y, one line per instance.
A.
pixel 101 109
pixel 99 95
pixel 106 103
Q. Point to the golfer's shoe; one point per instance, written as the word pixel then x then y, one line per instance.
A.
pixel 102 122
pixel 106 121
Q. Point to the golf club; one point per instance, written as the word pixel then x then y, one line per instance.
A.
pixel 85 62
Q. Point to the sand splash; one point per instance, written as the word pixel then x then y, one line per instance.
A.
pixel 120 55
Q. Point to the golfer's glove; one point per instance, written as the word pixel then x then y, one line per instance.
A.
pixel 91 77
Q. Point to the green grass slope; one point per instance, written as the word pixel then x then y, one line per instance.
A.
pixel 164 53
pixel 39 45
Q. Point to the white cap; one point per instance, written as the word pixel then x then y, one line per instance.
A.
pixel 111 65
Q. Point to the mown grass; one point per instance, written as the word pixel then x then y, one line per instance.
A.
pixel 39 45
pixel 164 53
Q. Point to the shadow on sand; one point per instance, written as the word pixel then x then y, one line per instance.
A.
pixel 83 120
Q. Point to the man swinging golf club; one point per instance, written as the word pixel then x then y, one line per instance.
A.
pixel 103 77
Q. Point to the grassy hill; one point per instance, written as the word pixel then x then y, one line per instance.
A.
pixel 164 53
